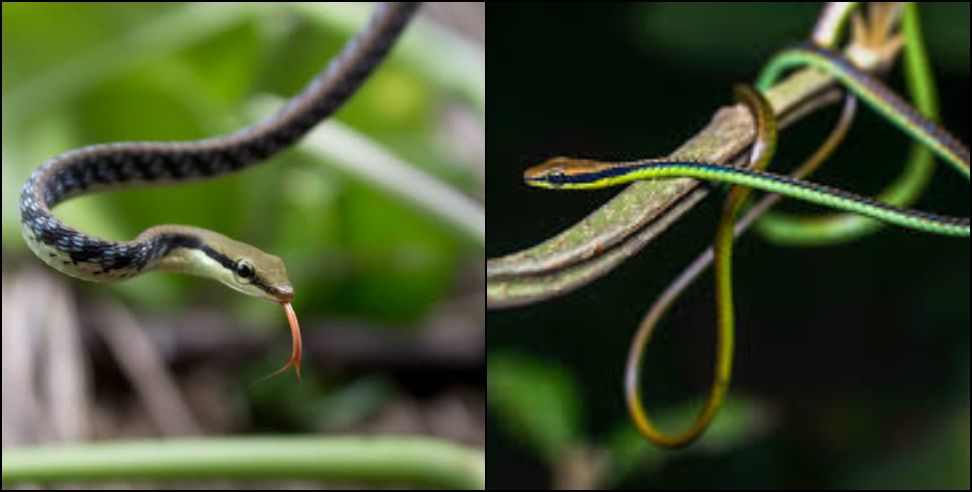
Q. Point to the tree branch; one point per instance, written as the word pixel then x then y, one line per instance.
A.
pixel 627 223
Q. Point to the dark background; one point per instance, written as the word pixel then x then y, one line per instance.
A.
pixel 862 350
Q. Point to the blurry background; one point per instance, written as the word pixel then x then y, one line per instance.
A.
pixel 852 366
pixel 389 287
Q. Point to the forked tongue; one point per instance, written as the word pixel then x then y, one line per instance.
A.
pixel 294 360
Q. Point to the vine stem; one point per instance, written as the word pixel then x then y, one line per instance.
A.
pixel 411 461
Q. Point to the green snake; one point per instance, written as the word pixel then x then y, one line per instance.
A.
pixel 571 173
pixel 876 41
pixel 185 249
pixel 584 174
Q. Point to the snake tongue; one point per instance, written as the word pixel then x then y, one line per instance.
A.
pixel 294 360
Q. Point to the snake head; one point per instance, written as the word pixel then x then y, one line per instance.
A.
pixel 565 173
pixel 259 274
pixel 239 266
pixel 547 175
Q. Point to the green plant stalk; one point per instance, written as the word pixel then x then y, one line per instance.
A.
pixel 361 460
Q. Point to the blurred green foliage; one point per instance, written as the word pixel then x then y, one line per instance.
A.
pixel 76 74
pixel 316 404
pixel 537 401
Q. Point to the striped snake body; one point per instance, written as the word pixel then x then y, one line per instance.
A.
pixel 185 249
pixel 135 164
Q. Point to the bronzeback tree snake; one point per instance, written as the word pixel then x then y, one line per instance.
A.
pixel 184 249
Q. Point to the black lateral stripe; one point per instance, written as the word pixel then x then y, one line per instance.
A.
pixel 219 257
pixel 191 242
pixel 609 172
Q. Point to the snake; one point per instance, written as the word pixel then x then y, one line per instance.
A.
pixel 185 249
pixel 584 174
pixel 579 174
pixel 875 42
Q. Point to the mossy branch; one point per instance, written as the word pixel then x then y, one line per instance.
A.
pixel 627 223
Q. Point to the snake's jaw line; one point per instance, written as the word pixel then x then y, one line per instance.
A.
pixel 537 183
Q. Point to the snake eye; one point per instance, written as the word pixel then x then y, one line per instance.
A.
pixel 244 271
pixel 557 177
